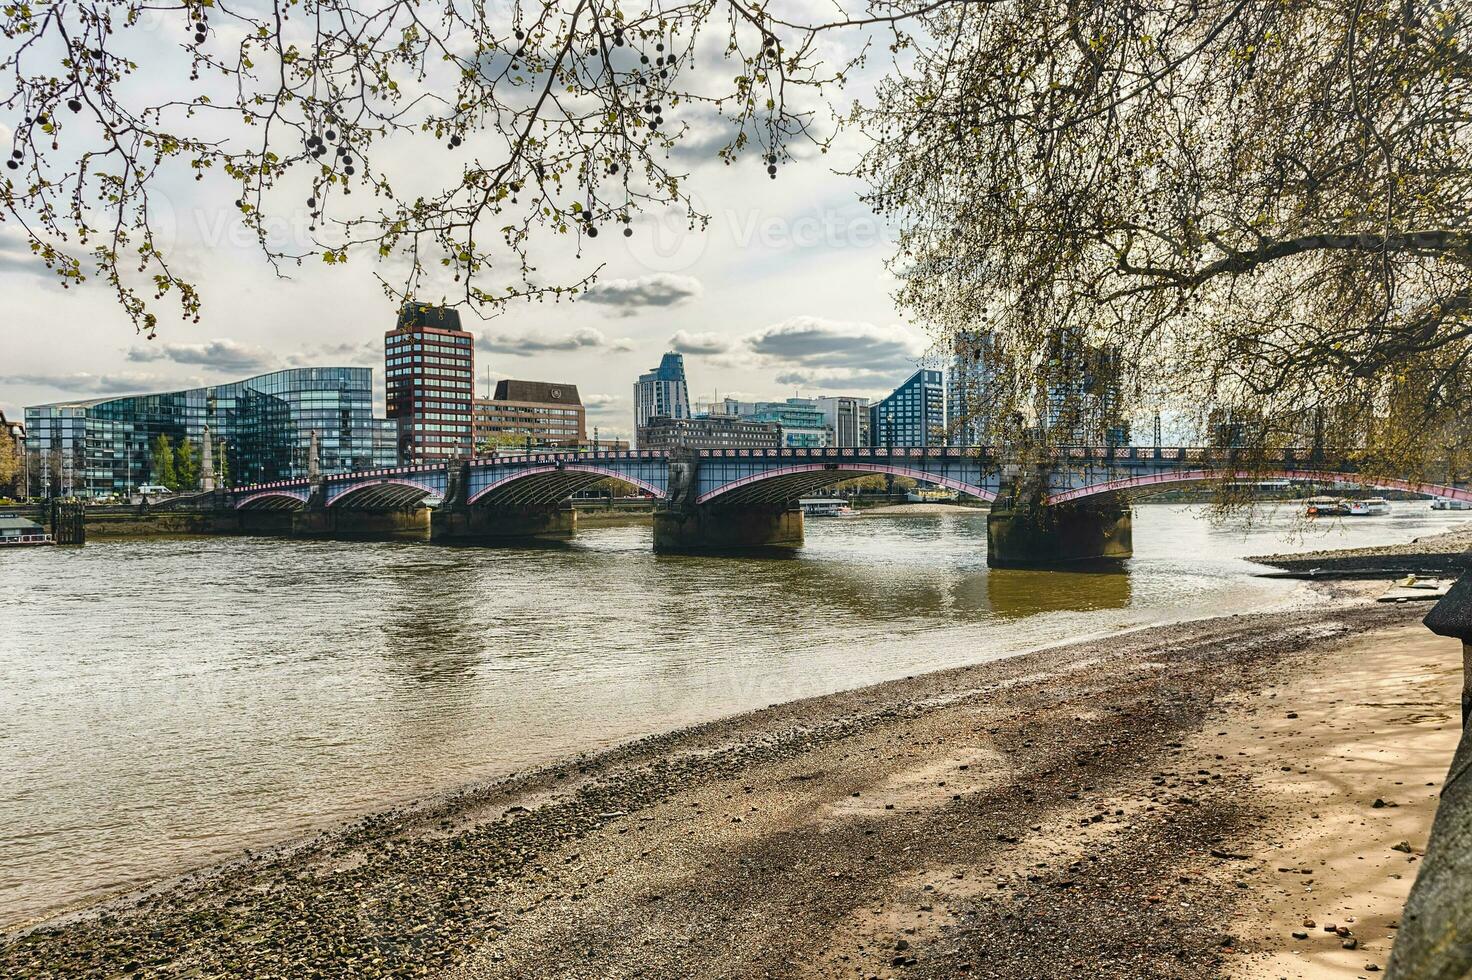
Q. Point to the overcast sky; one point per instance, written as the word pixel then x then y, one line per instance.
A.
pixel 786 292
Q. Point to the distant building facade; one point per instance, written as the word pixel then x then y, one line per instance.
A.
pixel 847 419
pixel 541 413
pixel 429 378
pixel 1081 402
pixel 262 427
pixel 913 415
pixel 800 420
pixel 709 432
pixel 661 393
pixel 973 389
pixel 15 435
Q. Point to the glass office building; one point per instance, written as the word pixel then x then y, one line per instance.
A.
pixel 263 427
pixel 661 393
pixel 799 420
pixel 914 415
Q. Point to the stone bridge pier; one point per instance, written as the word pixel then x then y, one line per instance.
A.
pixel 1024 530
pixel 319 520
pixel 504 518
pixel 685 526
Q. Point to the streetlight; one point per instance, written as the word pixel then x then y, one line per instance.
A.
pixel 889 438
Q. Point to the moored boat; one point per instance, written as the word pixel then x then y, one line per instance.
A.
pixel 1368 507
pixel 825 507
pixel 1325 507
pixel 17 532
pixel 932 495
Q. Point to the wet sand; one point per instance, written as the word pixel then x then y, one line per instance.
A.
pixel 1366 754
pixel 1118 807
pixel 1445 553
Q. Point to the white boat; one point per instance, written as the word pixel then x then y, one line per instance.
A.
pixel 1447 503
pixel 1325 507
pixel 17 531
pixel 932 495
pixel 825 507
pixel 1368 507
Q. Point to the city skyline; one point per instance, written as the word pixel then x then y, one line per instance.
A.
pixel 736 370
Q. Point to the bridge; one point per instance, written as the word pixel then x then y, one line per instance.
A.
pixel 1073 505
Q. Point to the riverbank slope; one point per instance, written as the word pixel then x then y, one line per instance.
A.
pixel 1072 811
pixel 1446 553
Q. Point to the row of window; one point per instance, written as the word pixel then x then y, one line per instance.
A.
pixel 460 417
pixel 441 382
pixel 460 363
pixel 437 427
pixel 450 344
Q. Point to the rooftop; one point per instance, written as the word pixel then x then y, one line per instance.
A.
pixel 420 315
pixel 540 392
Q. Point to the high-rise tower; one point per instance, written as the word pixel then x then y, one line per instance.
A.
pixel 429 370
pixel 662 392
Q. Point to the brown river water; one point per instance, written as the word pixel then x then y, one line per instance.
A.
pixel 167 703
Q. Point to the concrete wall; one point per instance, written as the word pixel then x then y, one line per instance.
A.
pixel 133 522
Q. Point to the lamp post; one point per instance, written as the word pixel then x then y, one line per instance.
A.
pixel 889 440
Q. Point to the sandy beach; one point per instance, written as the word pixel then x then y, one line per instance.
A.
pixel 1177 801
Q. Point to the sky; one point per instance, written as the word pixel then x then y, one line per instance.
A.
pixel 786 292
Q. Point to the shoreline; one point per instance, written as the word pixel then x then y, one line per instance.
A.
pixel 472 856
pixel 1446 553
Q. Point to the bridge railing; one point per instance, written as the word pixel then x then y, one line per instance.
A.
pixel 1287 457
pixel 852 452
pixel 628 455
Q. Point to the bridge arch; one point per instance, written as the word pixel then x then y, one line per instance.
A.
pixel 388 493
pixel 1153 480
pixel 800 479
pixel 272 500
pixel 544 485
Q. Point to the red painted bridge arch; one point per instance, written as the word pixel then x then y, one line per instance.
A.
pixel 1306 476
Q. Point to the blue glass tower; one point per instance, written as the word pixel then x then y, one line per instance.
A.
pixel 914 414
pixel 662 392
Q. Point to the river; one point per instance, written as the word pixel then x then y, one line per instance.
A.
pixel 168 703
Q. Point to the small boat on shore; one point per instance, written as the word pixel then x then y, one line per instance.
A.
pixel 1368 507
pixel 19 532
pixel 1447 503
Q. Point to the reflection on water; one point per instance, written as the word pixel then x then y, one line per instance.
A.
pixel 1015 592
pixel 170 702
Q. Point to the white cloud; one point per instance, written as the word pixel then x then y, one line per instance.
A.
pixel 218 355
pixel 687 342
pixel 524 345
pixel 83 384
pixel 628 296
pixel 817 342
